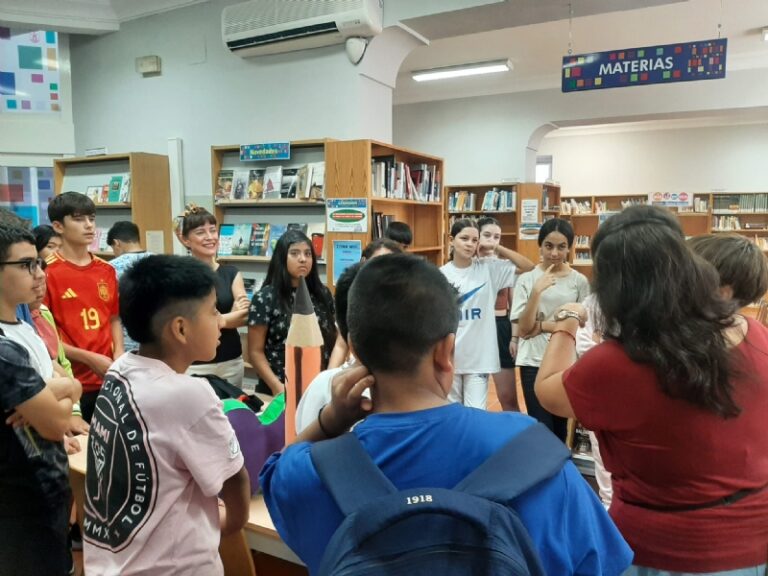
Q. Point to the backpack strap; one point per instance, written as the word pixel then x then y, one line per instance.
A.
pixel 529 458
pixel 348 472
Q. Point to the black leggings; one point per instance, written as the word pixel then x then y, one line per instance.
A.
pixel 557 424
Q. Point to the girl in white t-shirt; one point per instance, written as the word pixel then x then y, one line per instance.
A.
pixel 477 281
pixel 538 294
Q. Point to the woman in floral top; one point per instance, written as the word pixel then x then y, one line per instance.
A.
pixel 272 306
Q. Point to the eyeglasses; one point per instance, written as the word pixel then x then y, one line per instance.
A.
pixel 31 265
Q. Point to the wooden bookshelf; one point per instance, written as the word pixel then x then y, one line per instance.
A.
pixel 150 204
pixel 278 211
pixel 349 174
pixel 705 219
pixel 513 234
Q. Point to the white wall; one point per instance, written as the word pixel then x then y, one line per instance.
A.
pixel 208 96
pixel 485 139
pixel 35 139
pixel 708 159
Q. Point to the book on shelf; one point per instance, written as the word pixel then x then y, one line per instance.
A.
pixel 288 183
pixel 255 183
pixel 272 181
pixel 224 185
pixel 115 186
pixel 104 198
pixel 315 229
pixel 253 283
pixel 298 226
pixel 94 193
pixel 275 232
pixel 391 178
pixel 462 201
pixel 259 244
pixel 304 181
pixel 125 190
pixel 99 241
pixel 381 222
pixel 226 233
pixel 317 186
pixel 240 184
pixel 241 240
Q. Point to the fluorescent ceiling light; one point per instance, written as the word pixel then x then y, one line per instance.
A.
pixel 474 69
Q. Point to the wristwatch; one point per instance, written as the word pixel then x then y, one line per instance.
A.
pixel 564 314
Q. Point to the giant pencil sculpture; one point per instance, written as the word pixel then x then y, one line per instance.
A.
pixel 302 355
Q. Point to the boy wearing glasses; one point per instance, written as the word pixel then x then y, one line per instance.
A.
pixel 82 296
pixel 34 480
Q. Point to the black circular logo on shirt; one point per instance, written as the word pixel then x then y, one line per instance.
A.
pixel 121 482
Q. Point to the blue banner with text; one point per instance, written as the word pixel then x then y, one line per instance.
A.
pixel 269 151
pixel 702 60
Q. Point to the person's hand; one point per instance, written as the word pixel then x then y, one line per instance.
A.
pixel 575 307
pixel 16 420
pixel 99 363
pixel 513 347
pixel 486 247
pixel 546 280
pixel 77 426
pixel 71 445
pixel 348 405
pixel 242 303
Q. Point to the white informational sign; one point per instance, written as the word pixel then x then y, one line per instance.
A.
pixel 155 241
pixel 529 211
pixel 346 215
pixel 671 199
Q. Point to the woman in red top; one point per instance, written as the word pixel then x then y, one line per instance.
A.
pixel 677 396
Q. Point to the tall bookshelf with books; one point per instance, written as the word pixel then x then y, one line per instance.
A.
pixel 133 186
pixel 256 201
pixel 519 207
pixel 396 184
pixel 475 201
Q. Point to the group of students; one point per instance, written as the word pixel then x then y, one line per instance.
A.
pixel 674 392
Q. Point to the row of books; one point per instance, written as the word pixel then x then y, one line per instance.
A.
pixel 573 206
pixel 724 223
pixel 272 183
pixel 393 179
pixel 700 206
pixel 116 191
pixel 582 241
pixel 259 238
pixel 582 258
pixel 99 242
pixel 740 202
pixel 380 224
pixel 462 201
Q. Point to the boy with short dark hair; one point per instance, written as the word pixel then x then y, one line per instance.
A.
pixel 399 232
pixel 402 317
pixel 160 447
pixel 82 296
pixel 34 480
pixel 123 238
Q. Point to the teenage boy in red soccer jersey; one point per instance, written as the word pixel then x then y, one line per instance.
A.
pixel 82 296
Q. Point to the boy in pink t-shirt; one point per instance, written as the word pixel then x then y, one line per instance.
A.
pixel 160 447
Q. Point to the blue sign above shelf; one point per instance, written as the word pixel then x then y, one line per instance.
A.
pixel 267 151
pixel 684 62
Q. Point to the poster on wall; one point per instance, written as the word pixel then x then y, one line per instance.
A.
pixel 665 64
pixel 529 211
pixel 671 199
pixel 345 254
pixel 346 214
pixel 29 72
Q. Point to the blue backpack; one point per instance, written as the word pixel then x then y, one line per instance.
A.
pixel 470 529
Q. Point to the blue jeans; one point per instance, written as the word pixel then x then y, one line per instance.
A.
pixel 642 571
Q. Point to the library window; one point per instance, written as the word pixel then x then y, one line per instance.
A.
pixel 543 169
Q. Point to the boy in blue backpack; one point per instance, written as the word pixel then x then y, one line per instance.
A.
pixel 402 321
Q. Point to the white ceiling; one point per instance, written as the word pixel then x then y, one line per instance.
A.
pixel 536 37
